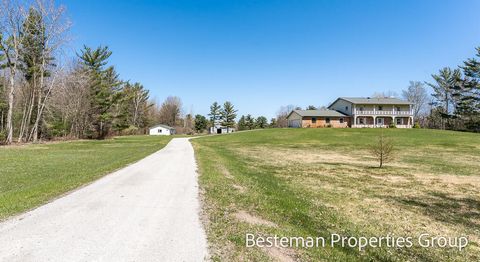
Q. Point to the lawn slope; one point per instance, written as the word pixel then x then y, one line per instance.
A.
pixel 31 175
pixel 314 182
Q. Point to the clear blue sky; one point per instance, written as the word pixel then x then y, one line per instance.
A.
pixel 264 54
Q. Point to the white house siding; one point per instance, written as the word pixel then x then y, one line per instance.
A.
pixel 160 131
pixel 341 106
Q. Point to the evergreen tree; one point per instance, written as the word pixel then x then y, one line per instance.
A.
pixel 446 82
pixel 104 90
pixel 228 115
pixel 249 122
pixel 273 123
pixel 468 94
pixel 200 123
pixel 261 122
pixel 215 113
pixel 242 125
pixel 135 100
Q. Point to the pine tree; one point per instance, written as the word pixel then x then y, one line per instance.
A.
pixel 261 122
pixel 468 94
pixel 242 125
pixel 228 115
pixel 104 90
pixel 249 122
pixel 215 113
pixel 34 64
pixel 446 82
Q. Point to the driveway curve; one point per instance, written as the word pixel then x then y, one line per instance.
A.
pixel 148 211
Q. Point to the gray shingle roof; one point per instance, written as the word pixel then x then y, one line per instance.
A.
pixel 162 125
pixel 375 100
pixel 325 113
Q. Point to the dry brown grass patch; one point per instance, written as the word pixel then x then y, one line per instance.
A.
pixel 244 216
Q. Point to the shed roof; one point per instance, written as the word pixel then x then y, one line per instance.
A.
pixel 162 125
pixel 325 113
pixel 375 100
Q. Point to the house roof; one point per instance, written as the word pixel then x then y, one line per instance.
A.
pixel 326 113
pixel 162 125
pixel 375 100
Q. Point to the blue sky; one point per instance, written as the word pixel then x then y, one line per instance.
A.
pixel 264 54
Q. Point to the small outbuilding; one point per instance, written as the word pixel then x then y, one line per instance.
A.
pixel 219 129
pixel 162 130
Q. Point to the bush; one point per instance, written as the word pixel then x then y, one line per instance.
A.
pixel 392 125
pixel 131 130
pixel 416 125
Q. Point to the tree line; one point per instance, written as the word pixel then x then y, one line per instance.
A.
pixel 454 102
pixel 45 94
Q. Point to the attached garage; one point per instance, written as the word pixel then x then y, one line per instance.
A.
pixel 317 118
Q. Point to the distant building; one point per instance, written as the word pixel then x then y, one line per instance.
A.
pixel 220 129
pixel 161 130
pixel 356 112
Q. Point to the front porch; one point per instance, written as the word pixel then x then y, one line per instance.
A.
pixel 382 122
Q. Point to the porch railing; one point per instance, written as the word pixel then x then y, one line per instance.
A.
pixel 383 112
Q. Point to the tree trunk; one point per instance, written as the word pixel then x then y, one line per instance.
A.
pixel 11 96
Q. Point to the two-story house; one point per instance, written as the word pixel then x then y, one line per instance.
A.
pixel 356 112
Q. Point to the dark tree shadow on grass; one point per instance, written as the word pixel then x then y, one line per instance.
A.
pixel 444 208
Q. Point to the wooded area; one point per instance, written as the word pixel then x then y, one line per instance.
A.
pixel 45 94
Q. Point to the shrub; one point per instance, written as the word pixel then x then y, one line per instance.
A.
pixel 416 125
pixel 392 125
pixel 131 130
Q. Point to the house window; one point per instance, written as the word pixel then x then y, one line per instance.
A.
pixel 399 121
pixel 346 108
pixel 362 121
pixel 361 109
pixel 380 108
pixel 341 120
pixel 159 130
pixel 327 120
pixel 398 109
pixel 314 120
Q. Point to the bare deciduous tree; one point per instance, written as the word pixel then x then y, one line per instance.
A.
pixel 417 94
pixel 55 28
pixel 10 45
pixel 282 114
pixel 382 149
pixel 170 111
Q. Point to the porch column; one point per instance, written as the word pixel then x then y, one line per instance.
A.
pixel 374 119
pixel 354 121
pixel 393 119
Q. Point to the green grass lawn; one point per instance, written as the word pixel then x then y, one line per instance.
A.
pixel 31 175
pixel 315 182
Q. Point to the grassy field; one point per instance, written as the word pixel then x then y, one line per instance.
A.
pixel 315 182
pixel 31 175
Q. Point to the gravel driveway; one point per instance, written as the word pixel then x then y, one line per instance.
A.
pixel 148 211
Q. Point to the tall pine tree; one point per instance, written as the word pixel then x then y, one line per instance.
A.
pixel 104 90
pixel 228 115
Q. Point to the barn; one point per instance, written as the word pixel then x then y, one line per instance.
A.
pixel 162 130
